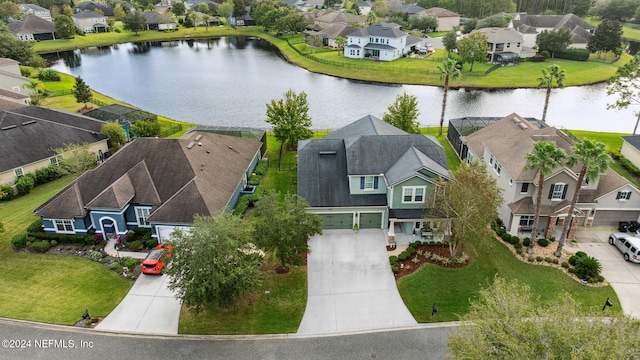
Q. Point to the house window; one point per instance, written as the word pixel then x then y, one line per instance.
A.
pixel 518 45
pixel 623 195
pixel 63 226
pixel 469 158
pixel 499 47
pixel 368 183
pixel 526 220
pixel 18 172
pixel 525 188
pixel 508 45
pixel 141 215
pixel 497 167
pixel 491 160
pixel 558 191
pixel 54 160
pixel 510 181
pixel 413 194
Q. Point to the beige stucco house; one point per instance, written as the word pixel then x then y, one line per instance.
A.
pixel 447 20
pixel 10 77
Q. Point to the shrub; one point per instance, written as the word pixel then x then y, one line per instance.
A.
pixel 418 243
pixel 54 243
pixel 95 256
pixel 629 166
pixel 150 243
pixel 599 278
pixel 572 270
pixel 395 268
pixel 261 168
pixel 24 184
pixel 565 264
pixel 393 259
pixel 19 241
pixel 518 246
pixel 573 260
pixel 134 245
pixel 548 259
pixel 538 58
pixel 41 246
pixel 139 233
pixel 514 240
pixel 519 251
pixel 526 241
pixel 411 250
pixel 114 266
pixel 403 256
pixel 588 267
pixel 47 174
pixel 555 261
pixel 581 254
pixel 25 71
pixel 539 258
pixel 130 263
pixel 35 227
pixel 546 54
pixel 7 192
pixel 530 259
pixel 506 237
pixel 48 75
pixel 246 201
pixel 543 242
pixel 254 180
pixel 573 54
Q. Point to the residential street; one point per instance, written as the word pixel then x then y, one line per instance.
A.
pixel 61 342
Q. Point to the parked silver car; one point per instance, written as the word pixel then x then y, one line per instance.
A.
pixel 628 245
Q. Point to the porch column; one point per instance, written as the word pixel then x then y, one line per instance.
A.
pixel 551 226
pixel 391 234
pixel 572 229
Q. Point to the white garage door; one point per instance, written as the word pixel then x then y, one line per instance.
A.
pixel 164 231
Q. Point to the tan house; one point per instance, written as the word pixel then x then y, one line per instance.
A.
pixel 502 43
pixel 532 25
pixel 502 146
pixel 31 133
pixel 10 77
pixel 336 17
pixel 90 22
pixel 631 149
pixel 447 20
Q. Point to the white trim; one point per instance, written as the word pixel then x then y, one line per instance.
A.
pixel 64 225
pixel 413 190
pixel 146 223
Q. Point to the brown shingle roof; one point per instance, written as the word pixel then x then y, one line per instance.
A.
pixel 31 24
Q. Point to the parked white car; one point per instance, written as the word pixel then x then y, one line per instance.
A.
pixel 628 245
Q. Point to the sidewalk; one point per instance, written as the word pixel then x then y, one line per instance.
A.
pixel 110 249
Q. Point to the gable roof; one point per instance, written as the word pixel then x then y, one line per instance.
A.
pixel 408 9
pixel 439 12
pixel 633 140
pixel 91 6
pixel 31 24
pixel 339 29
pixel 33 7
pixel 87 14
pixel 31 133
pixel 154 17
pixel 368 146
pixel 178 178
pixel 501 35
pixel 381 29
pixel 580 29
pixel 338 17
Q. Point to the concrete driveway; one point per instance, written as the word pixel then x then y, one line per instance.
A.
pixel 623 276
pixel 149 307
pixel 351 286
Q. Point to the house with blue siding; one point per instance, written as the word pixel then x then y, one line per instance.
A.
pixel 156 183
pixel 370 174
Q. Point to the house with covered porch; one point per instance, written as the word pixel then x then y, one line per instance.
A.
pixel 381 41
pixel 370 174
pixel 155 183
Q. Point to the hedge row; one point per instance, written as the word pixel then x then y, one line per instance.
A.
pixel 27 182
pixel 573 54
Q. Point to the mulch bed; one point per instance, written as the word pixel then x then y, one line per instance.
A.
pixel 410 265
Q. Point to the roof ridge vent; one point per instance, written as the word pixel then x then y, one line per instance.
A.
pixel 326 152
pixel 9 127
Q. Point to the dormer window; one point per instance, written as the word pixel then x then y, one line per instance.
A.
pixel 558 191
pixel 368 183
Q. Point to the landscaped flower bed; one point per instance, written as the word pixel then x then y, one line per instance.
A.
pixel 418 253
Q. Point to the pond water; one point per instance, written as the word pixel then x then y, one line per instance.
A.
pixel 228 81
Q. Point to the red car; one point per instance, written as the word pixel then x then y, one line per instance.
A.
pixel 156 260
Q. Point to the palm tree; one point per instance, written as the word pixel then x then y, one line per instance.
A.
pixel 551 73
pixel 593 160
pixel 448 70
pixel 545 157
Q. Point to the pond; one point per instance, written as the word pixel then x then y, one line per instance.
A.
pixel 227 81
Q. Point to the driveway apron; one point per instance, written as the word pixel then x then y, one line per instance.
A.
pixel 623 276
pixel 350 285
pixel 149 307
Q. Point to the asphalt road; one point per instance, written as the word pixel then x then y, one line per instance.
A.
pixel 24 340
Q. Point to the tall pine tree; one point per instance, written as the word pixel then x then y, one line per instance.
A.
pixel 82 92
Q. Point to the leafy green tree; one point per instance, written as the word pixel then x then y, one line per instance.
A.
pixel 450 41
pixel 607 37
pixel 82 92
pixel 67 10
pixel 118 11
pixel 508 321
pixel 16 49
pixel 213 263
pixel 178 9
pixel 225 10
pixel 38 93
pixel 546 157
pixel 145 128
pixel 380 8
pixel 448 70
pixel 340 42
pixel 239 8
pixel 76 158
pixel 593 159
pixel 469 25
pixel 498 21
pixel 206 18
pixel 8 10
pixel 330 3
pixel 284 226
pixel 116 137
pixel 291 22
pixel 554 40
pixel 473 47
pixel 134 22
pixel 581 7
pixel 372 18
pixel 469 199
pixel 403 114
pixel 620 10
pixel 290 119
pixel 549 75
pixel 626 85
pixel 37 62
pixel 423 23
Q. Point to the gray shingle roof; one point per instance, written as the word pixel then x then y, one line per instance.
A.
pixel 408 9
pixel 501 35
pixel 339 29
pixel 439 12
pixel 176 181
pixel 389 30
pixel 31 24
pixel 31 133
pixel 91 6
pixel 633 140
pixel 87 14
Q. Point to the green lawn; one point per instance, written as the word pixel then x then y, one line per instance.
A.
pixel 451 289
pixel 48 288
pixel 283 180
pixel 276 307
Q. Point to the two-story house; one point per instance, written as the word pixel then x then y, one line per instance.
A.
pixel 39 11
pixel 532 25
pixel 504 44
pixel 502 146
pixel 381 41
pixel 155 183
pixel 90 22
pixel 11 78
pixel 370 174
